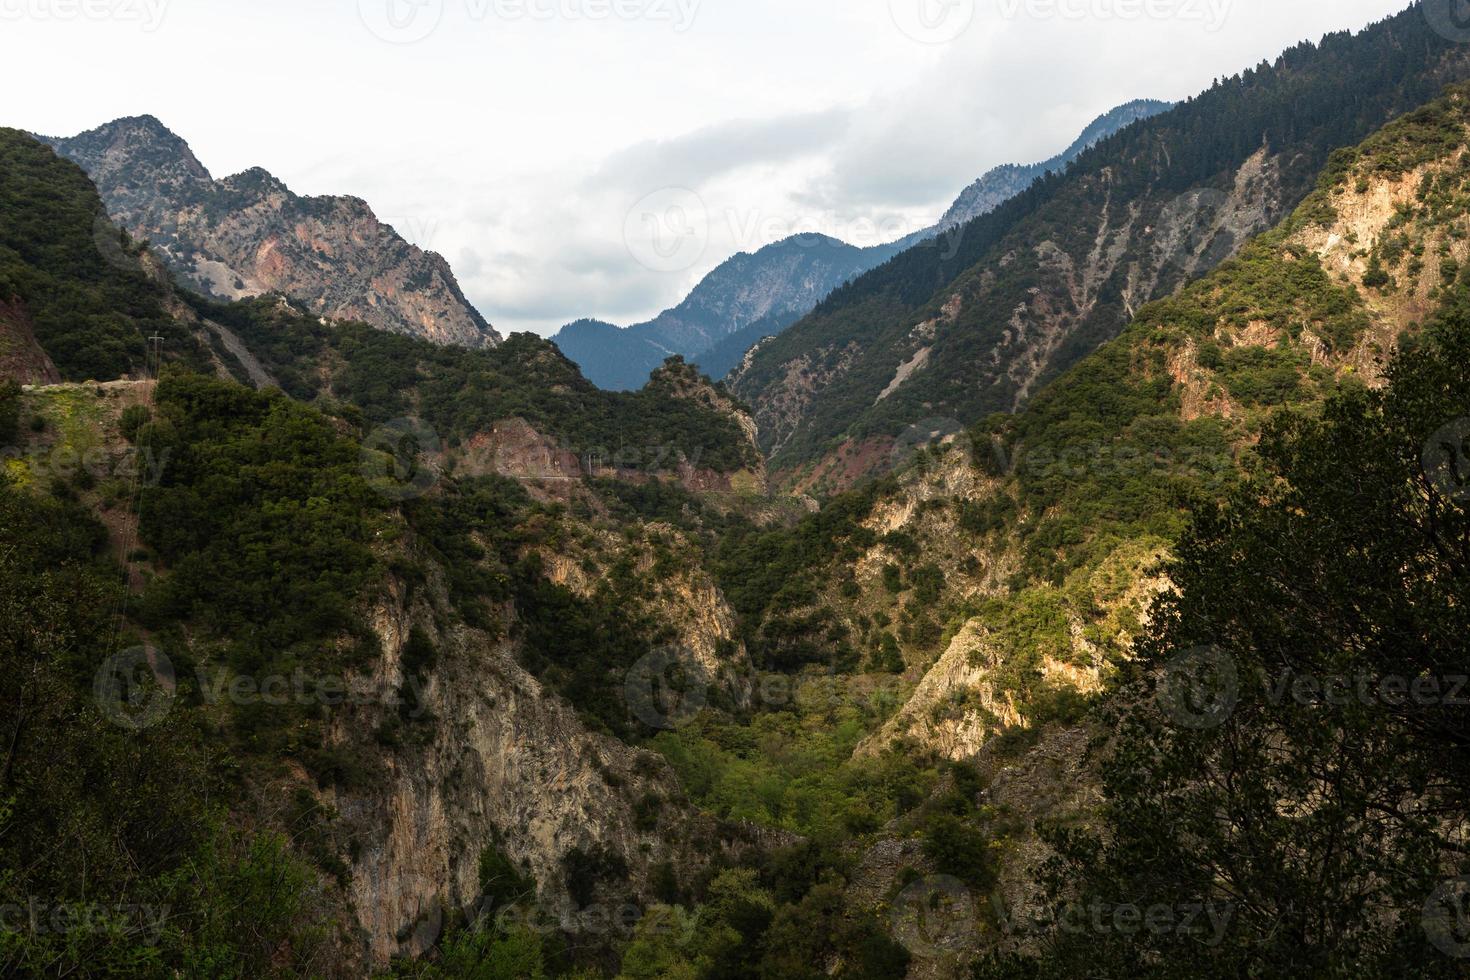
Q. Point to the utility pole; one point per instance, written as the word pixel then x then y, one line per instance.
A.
pixel 157 343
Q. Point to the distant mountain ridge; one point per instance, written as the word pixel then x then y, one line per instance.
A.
pixel 1044 279
pixel 248 234
pixel 759 294
pixel 1006 181
pixel 775 285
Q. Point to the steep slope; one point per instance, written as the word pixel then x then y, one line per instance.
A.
pixel 1045 278
pixel 1046 529
pixel 248 234
pixel 69 280
pixel 1005 182
pixel 455 624
pixel 760 294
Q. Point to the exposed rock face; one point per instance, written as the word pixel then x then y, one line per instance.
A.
pixel 21 358
pixel 509 764
pixel 249 234
pixel 1150 245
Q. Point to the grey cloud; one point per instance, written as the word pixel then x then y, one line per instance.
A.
pixel 693 159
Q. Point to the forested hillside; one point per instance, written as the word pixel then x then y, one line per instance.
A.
pixel 330 652
pixel 1049 276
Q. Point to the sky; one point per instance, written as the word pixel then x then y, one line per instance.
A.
pixel 596 158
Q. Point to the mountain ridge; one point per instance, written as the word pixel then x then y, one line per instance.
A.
pixel 247 234
pixel 769 289
pixel 1037 283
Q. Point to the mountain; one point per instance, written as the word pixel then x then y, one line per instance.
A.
pixel 327 506
pixel 760 294
pixel 1042 280
pixel 248 234
pixel 774 285
pixel 1005 182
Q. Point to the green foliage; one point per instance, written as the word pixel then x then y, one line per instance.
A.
pixel 462 393
pixel 9 412
pixel 1312 100
pixel 1290 805
pixel 134 417
pixel 265 520
pixel 90 314
pixel 124 836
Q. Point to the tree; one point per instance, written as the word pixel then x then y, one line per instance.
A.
pixel 1289 751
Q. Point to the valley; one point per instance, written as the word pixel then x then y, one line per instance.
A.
pixel 1087 598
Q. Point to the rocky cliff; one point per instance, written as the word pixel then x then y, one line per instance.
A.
pixel 248 234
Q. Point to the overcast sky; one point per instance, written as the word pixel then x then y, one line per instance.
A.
pixel 596 157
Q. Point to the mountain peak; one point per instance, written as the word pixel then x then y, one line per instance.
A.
pixel 248 234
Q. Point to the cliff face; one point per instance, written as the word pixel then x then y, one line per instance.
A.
pixel 22 359
pixel 512 766
pixel 248 234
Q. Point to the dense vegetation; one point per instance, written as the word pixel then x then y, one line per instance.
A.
pixel 1314 99
pixel 77 277
pixel 461 393
pixel 1293 746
